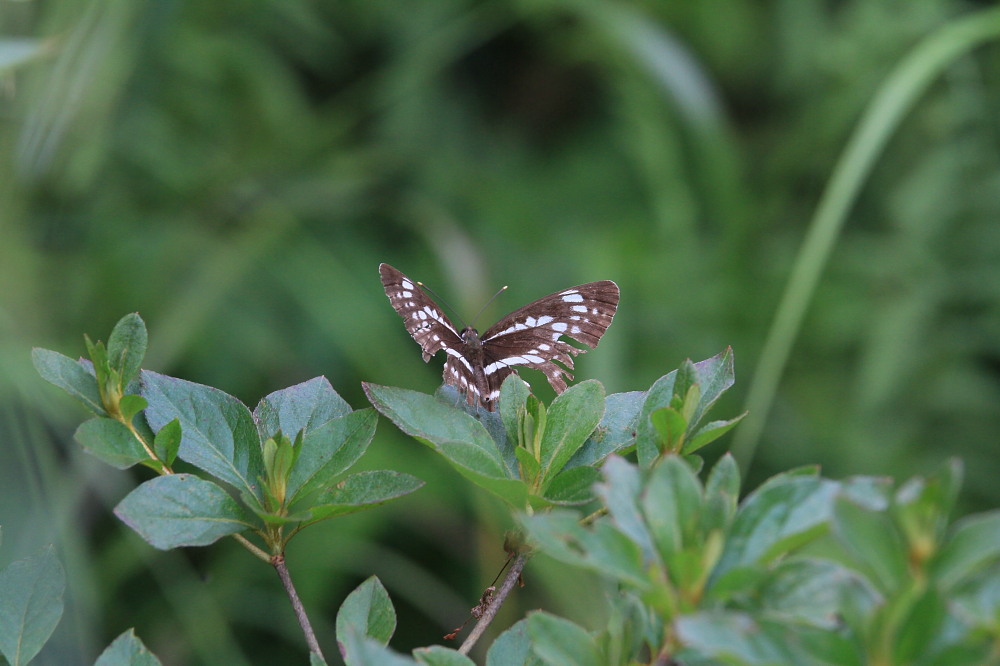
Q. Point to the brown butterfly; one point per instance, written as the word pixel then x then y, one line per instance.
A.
pixel 529 336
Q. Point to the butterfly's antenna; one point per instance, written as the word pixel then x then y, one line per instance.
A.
pixel 502 289
pixel 443 302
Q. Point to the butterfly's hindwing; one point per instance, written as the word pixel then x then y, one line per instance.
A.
pixel 530 336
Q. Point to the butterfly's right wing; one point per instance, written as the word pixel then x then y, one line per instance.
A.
pixel 424 320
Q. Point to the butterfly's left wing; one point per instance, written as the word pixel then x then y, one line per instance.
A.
pixel 531 336
pixel 424 320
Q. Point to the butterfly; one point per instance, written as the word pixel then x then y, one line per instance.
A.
pixel 529 336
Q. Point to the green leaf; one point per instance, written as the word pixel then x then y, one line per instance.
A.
pixel 559 642
pixel 672 505
pixel 528 466
pixel 514 394
pixel 31 603
pixel 784 513
pixel 110 441
pixel 329 450
pixel 973 545
pixel 724 478
pixel 452 433
pixel 367 611
pixel 659 395
pixel 512 647
pixel 468 459
pixel 920 633
pixel 735 638
pixel 808 590
pixel 615 432
pixel 977 600
pixel 357 492
pixel 602 548
pixel 875 543
pixel 167 442
pixel 305 406
pixel 670 427
pixel 127 650
pixel 572 416
pixel 435 424
pixel 69 375
pixel 217 431
pixel 714 376
pixel 359 650
pixel 438 655
pixel 620 494
pixel 106 383
pixel 709 433
pixel 127 347
pixel 722 492
pixel 130 405
pixel 573 486
pixel 181 510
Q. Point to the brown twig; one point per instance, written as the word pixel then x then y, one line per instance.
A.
pixel 278 561
pixel 497 600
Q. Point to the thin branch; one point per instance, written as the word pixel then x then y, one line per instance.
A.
pixel 300 612
pixel 498 599
pixel 249 545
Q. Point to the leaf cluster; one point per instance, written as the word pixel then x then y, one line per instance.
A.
pixel 533 456
pixel 272 471
pixel 801 570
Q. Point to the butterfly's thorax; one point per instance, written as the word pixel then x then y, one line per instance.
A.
pixel 474 354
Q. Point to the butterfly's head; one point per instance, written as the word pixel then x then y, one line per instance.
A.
pixel 471 337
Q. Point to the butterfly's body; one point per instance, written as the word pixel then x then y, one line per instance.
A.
pixel 529 336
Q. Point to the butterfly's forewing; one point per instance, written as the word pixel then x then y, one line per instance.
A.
pixel 531 336
pixel 424 320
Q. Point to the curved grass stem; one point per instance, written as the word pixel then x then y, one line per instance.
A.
pixel 892 101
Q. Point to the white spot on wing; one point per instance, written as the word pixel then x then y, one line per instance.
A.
pixel 406 284
pixel 559 326
pixel 457 354
pixel 579 308
pixel 572 298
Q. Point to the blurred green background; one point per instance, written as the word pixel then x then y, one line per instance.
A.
pixel 236 171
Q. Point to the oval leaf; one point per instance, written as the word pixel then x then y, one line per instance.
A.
pixel 367 611
pixel 127 650
pixel 218 434
pixel 329 450
pixel 110 441
pixel 69 375
pixel 31 604
pixel 361 491
pixel 127 346
pixel 305 406
pixel 572 416
pixel 181 510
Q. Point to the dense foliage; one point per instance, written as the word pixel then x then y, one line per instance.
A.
pixel 236 174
